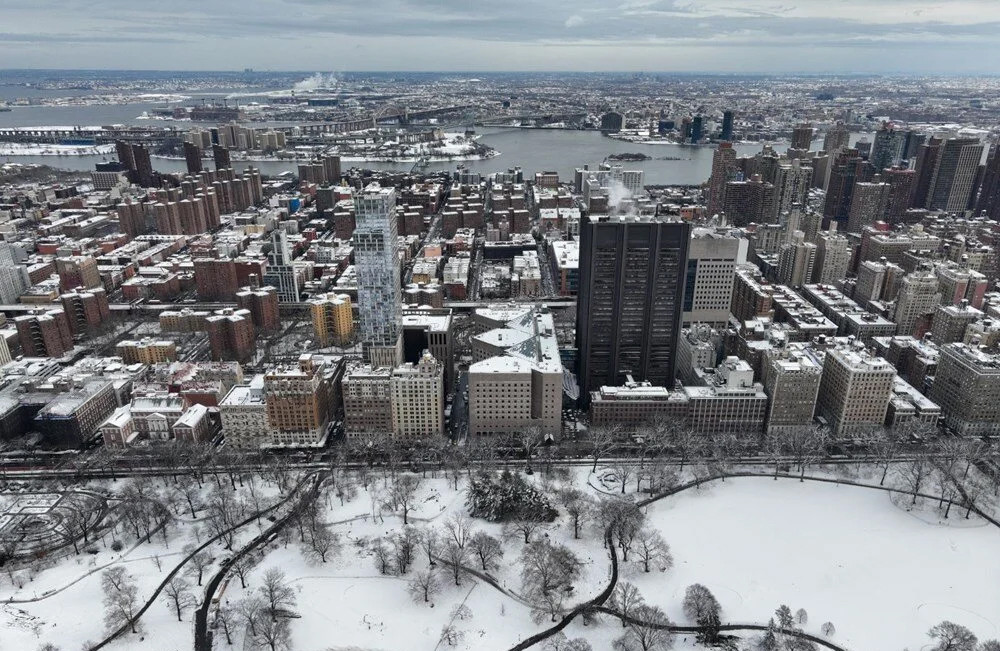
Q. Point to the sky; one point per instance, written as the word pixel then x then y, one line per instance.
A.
pixel 720 36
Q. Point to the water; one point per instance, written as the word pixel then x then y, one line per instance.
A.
pixel 534 150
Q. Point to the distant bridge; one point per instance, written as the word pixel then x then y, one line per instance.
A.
pixel 502 120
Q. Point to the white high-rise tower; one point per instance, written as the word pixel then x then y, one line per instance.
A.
pixel 377 263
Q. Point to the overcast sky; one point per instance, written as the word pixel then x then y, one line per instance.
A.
pixel 878 36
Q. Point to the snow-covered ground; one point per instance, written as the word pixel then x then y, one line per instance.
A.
pixel 49 149
pixel 853 556
pixel 847 555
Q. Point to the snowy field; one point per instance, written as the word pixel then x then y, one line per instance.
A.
pixel 48 149
pixel 881 573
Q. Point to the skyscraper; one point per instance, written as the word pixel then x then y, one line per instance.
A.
pixel 989 192
pixel 900 191
pixel 192 156
pixel 796 261
pixel 379 295
pixel 837 138
pixel 723 171
pixel 632 276
pixel 955 174
pixel 14 279
pixel 727 125
pixel 887 149
pixel 926 162
pixel 843 174
pixel 711 269
pixel 802 136
pixel 869 202
pixel 833 257
pixel 220 155
pixel 280 272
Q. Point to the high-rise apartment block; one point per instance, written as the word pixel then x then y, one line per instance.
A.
pixel 630 303
pixel 967 387
pixel 332 319
pixel 417 395
pixel 791 381
pixel 855 390
pixel 955 174
pixel 300 400
pixel 231 335
pixel 833 257
pixel 367 395
pixel 712 259
pixel 262 303
pixel 918 298
pixel 44 333
pixel 377 263
pixel 796 261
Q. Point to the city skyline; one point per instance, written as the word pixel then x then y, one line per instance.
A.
pixel 708 36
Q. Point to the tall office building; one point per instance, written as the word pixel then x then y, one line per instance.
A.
pixel 796 261
pixel 632 277
pixel 750 201
pixel 791 185
pixel 840 189
pixel 377 264
pixel 697 128
pixel 833 257
pixel 918 298
pixel 280 272
pixel 869 203
pixel 900 191
pixel 955 175
pixel 887 150
pixel 727 125
pixel 802 137
pixel 14 279
pixel 837 138
pixel 192 157
pixel 724 170
pixel 925 164
pixel 989 191
pixel 220 155
pixel 711 268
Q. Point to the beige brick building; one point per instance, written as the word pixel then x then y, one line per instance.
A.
pixel 855 390
pixel 417 395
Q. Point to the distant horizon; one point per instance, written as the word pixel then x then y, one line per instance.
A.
pixel 686 73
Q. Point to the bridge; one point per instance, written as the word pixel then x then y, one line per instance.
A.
pixel 99 134
pixel 504 120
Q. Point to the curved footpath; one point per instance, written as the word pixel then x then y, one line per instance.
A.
pixel 127 626
pixel 597 604
pixel 202 640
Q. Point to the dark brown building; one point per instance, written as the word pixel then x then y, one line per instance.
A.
pixel 231 335
pixel 215 279
pixel 86 310
pixel 632 277
pixel 45 333
pixel 192 156
pixel 262 302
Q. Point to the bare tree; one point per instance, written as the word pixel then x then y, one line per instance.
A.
pixel 487 548
pixel 914 475
pixel 621 471
pixel 949 636
pixel 277 594
pixel 648 634
pixel 404 547
pixel 402 495
pixel 989 645
pixel 547 574
pixel 199 562
pixel 121 598
pixel 430 542
pixel 602 440
pixel 383 556
pixel 806 445
pixel 249 610
pixel 577 505
pixel 242 567
pixel 456 557
pixel 226 618
pixel 323 543
pixel 559 642
pixel 274 634
pixel 625 598
pixel 179 596
pixel 653 551
pixel 885 447
pixel 830 630
pixel 801 617
pixel 702 608
pixel 423 586
pixel 458 530
pixel 622 520
pixel 522 529
pixel 190 493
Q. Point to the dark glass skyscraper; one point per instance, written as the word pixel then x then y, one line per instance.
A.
pixel 632 276
pixel 727 125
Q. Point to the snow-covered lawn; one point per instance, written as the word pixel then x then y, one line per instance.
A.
pixel 848 555
pixel 882 574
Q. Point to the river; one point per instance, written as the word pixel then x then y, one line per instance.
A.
pixel 533 150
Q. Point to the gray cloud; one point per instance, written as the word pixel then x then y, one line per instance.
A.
pixel 525 34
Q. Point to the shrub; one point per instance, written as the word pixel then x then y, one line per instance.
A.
pixel 506 498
